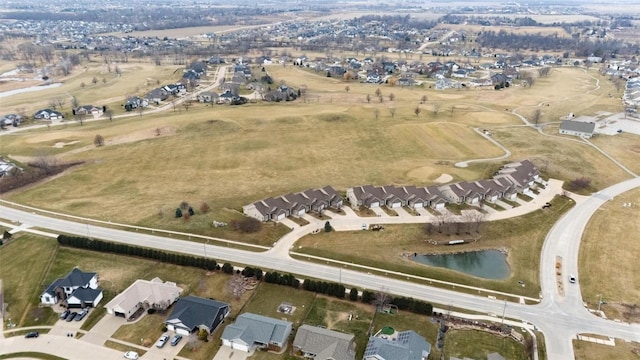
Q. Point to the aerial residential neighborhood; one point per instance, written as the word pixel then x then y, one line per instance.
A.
pixel 309 180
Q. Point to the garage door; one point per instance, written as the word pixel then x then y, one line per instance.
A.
pixel 395 205
pixel 374 205
pixel 280 217
pixel 418 205
pixel 440 206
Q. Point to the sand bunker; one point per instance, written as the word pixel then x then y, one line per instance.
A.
pixel 444 178
pixel 60 145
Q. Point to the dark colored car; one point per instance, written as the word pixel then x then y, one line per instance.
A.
pixel 65 314
pixel 71 316
pixel 33 334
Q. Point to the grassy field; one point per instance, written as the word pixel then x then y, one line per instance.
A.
pixel 591 351
pixel 230 156
pixel 608 268
pixel 24 263
pixel 624 147
pixel 136 78
pixel 121 347
pixel 522 237
pixel 478 344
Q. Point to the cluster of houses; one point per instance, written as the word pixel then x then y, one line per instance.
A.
pixel 250 332
pixel 511 179
pixel 294 204
pixel 10 120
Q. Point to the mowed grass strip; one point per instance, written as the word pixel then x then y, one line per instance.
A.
pixel 623 350
pixel 269 297
pixel 522 237
pixel 608 255
pixel 478 344
pixel 23 263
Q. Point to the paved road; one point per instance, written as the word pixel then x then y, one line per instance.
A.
pixel 559 318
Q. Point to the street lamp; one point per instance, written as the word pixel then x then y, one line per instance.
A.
pixel 504 310
pixel 599 301
pixel 204 246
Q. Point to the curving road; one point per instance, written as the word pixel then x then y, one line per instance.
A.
pixel 560 318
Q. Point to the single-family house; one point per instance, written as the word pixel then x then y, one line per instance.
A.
pixel 7 167
pixel 143 294
pixel 192 313
pixel 323 344
pixel 405 345
pixel 64 289
pixel 227 97
pixel 368 196
pixel 157 95
pixel 252 331
pixel 135 102
pixel 208 97
pixel 47 114
pixel 577 128
pixel 89 110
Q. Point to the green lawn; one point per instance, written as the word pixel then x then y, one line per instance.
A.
pixel 24 262
pixel 144 331
pixel 478 344
pixel 30 355
pixel 269 296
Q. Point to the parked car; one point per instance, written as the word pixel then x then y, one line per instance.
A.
pixel 572 279
pixel 71 316
pixel 65 314
pixel 32 334
pixel 163 340
pixel 82 314
pixel 176 339
pixel 132 355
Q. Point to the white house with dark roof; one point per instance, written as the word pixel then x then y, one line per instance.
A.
pixel 143 294
pixel 252 331
pixel 577 128
pixel 324 344
pixel 405 345
pixel 192 313
pixel 77 289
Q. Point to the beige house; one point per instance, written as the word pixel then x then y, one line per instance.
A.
pixel 144 294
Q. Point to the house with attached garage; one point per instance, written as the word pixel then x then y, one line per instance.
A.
pixel 89 110
pixel 405 345
pixel 392 196
pixel 208 97
pixel 577 128
pixel 77 289
pixel 296 204
pixel 462 192
pixel 192 313
pixel 252 331
pixel 143 294
pixel 323 344
pixel 522 175
pixel 47 114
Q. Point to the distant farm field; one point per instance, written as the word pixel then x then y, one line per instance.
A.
pixel 229 156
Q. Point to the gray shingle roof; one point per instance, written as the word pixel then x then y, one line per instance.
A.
pixel 253 328
pixel 579 126
pixel 324 343
pixel 408 346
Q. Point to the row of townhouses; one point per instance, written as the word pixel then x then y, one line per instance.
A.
pixel 296 204
pixel 511 179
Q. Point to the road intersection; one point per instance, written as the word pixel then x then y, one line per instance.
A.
pixel 559 317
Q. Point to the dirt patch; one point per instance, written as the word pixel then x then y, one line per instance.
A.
pixel 444 178
pixel 334 317
pixel 635 148
pixel 629 312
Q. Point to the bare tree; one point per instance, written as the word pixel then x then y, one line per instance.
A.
pixel 381 299
pixel 376 113
pixel 393 112
pixel 368 98
pixel 392 97
pixel 109 114
pixel 536 116
pixel 423 99
pixel 436 107
pixel 378 93
pixel 347 88
pixel 98 140
pixel 94 80
pixel 417 111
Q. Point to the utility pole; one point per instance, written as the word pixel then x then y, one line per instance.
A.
pixel 599 301
pixel 504 310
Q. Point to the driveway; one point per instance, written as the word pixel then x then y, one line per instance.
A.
pixel 226 353
pixel 104 329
